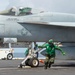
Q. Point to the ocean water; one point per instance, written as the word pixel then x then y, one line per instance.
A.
pixel 18 55
pixel 22 55
pixel 70 53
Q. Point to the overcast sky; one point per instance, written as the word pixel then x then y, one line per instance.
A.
pixel 67 6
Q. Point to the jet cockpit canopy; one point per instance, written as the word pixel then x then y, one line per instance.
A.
pixel 25 11
pixel 17 11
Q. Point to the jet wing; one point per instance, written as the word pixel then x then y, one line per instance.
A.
pixel 64 24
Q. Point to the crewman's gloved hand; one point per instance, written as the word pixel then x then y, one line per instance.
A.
pixel 64 53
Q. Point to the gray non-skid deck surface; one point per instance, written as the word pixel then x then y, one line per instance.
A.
pixel 9 67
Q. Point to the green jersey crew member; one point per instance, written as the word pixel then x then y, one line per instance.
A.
pixel 50 52
pixel 26 52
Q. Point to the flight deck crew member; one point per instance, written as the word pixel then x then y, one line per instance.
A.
pixel 27 52
pixel 50 52
pixel 35 48
pixel 26 56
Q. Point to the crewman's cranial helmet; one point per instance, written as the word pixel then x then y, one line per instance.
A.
pixel 50 41
pixel 29 47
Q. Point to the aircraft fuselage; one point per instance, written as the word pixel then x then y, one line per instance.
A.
pixel 21 28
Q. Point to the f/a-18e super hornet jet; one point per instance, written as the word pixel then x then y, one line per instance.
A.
pixel 26 25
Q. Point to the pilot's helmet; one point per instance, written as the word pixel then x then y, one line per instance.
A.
pixel 50 41
pixel 21 8
pixel 14 8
